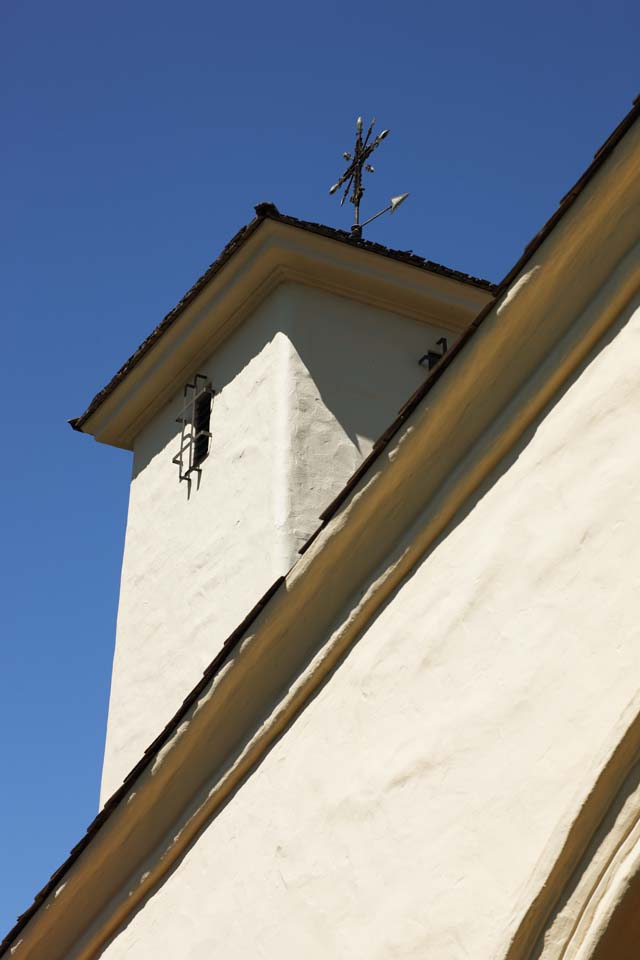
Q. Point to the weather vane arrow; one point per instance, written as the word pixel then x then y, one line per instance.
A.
pixel 353 176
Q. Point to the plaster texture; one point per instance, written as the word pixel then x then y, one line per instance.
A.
pixel 427 742
pixel 461 732
pixel 303 387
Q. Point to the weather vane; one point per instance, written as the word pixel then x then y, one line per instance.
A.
pixel 353 176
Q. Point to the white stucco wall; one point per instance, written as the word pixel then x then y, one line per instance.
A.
pixel 303 388
pixel 404 812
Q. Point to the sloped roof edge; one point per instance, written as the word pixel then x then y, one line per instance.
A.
pixel 233 640
pixel 405 412
pixel 267 211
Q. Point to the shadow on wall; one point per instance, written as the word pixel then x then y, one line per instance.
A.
pixel 595 908
pixel 626 920
pixel 622 936
pixel 363 363
pixel 363 360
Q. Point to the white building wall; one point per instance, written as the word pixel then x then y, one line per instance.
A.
pixel 303 388
pixel 404 813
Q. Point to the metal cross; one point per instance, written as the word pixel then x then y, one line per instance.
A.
pixel 353 174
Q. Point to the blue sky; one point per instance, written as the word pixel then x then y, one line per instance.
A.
pixel 137 137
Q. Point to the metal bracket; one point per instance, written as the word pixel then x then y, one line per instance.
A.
pixel 195 433
pixel 431 357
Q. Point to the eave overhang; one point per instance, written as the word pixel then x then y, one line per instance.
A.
pixel 272 250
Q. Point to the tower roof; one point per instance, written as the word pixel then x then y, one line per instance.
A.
pixel 354 250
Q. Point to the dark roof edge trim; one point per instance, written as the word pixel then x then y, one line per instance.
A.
pixel 229 645
pixel 234 639
pixel 266 211
pixel 412 403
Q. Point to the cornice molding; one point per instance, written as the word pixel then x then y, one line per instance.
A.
pixel 273 254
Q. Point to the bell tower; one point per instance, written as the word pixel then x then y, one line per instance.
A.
pixel 247 409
